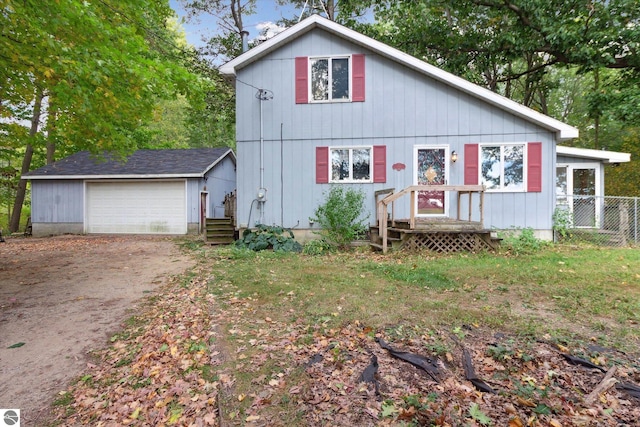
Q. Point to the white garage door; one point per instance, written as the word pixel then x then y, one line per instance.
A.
pixel 137 207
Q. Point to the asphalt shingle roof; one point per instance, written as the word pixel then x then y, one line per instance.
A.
pixel 177 162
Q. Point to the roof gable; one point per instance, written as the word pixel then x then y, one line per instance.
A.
pixel 562 130
pixel 178 163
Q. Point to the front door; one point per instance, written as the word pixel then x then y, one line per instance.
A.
pixel 431 169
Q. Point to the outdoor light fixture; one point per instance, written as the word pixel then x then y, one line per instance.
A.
pixel 454 157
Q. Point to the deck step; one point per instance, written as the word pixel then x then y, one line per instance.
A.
pixel 375 246
pixel 219 231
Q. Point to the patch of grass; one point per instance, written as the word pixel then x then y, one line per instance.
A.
pixel 561 294
pixel 190 244
pixel 553 288
pixel 63 399
pixel 422 276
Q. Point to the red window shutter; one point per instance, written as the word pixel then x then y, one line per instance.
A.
pixel 322 165
pixel 302 76
pixel 534 167
pixel 471 164
pixel 379 163
pixel 357 75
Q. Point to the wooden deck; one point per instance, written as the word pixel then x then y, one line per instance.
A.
pixel 440 234
pixel 437 225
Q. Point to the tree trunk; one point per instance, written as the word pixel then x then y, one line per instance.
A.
pixel 14 224
pixel 51 134
pixel 236 13
pixel 596 121
pixel 331 10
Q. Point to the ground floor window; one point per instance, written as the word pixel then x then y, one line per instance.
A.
pixel 502 167
pixel 351 164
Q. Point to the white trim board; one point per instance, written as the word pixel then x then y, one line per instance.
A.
pixel 586 153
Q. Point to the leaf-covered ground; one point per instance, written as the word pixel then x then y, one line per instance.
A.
pixel 202 354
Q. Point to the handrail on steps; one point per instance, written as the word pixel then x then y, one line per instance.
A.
pixel 382 206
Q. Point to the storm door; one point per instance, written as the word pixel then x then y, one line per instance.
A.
pixel 431 169
pixel 585 205
pixel 577 188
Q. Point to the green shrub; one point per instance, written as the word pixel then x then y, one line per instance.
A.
pixel 562 221
pixel 267 237
pixel 522 241
pixel 340 216
pixel 318 247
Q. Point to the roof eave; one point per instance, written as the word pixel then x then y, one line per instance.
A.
pixel 113 176
pixel 252 55
pixel 601 155
pixel 229 152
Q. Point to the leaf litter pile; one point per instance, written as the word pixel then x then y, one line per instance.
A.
pixel 201 355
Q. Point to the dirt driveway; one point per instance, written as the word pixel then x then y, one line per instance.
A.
pixel 62 297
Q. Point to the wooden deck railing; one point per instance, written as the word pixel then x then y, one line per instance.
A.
pixel 382 206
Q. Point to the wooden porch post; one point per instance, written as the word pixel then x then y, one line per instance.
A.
pixel 481 208
pixel 412 218
pixel 383 229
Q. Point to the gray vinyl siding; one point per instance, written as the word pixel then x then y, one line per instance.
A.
pixel 575 160
pixel 57 201
pixel 193 200
pixel 402 108
pixel 220 181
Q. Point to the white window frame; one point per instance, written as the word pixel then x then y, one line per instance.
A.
pixel 351 180
pixel 569 182
pixel 569 197
pixel 330 71
pixel 525 167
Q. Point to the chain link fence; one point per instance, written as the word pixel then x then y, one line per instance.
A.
pixel 604 221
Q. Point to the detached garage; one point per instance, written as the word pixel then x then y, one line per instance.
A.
pixel 151 192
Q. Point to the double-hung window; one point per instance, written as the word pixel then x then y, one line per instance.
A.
pixel 330 79
pixel 502 167
pixel 351 164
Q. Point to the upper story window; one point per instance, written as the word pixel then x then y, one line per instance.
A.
pixel 330 79
pixel 502 167
pixel 323 79
pixel 351 164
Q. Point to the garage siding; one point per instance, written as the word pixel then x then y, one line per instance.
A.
pixel 140 207
pixel 57 201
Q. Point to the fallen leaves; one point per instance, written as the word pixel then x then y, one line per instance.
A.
pixel 157 371
pixel 272 369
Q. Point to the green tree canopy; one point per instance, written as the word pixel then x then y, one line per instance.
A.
pixel 89 73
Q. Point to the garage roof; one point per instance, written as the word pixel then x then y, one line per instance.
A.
pixel 178 163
